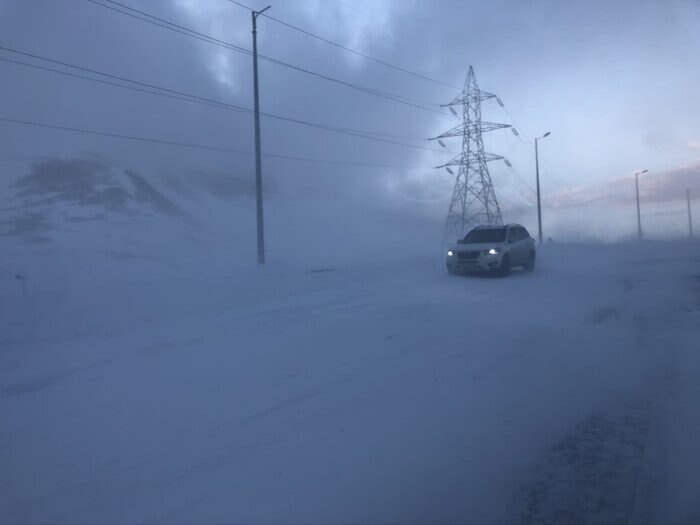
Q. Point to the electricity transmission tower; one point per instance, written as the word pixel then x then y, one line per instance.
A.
pixel 473 199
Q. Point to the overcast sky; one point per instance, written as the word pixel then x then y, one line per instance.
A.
pixel 615 82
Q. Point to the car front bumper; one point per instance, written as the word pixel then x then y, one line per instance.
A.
pixel 483 263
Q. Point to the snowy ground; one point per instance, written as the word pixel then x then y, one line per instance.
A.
pixel 383 392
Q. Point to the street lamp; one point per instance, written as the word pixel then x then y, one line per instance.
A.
pixel 537 172
pixel 639 216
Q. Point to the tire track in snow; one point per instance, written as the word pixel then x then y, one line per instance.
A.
pixel 590 475
pixel 607 468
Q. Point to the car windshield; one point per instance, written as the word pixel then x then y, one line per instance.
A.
pixel 488 235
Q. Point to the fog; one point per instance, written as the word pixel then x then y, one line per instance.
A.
pixel 152 370
pixel 593 75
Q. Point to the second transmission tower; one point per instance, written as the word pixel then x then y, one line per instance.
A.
pixel 473 199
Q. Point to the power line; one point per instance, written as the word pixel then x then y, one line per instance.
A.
pixel 121 136
pixel 172 26
pixel 188 97
pixel 166 24
pixel 527 185
pixel 118 77
pixel 345 48
pixel 564 191
pixel 205 147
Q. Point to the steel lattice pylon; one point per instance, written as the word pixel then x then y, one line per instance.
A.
pixel 473 199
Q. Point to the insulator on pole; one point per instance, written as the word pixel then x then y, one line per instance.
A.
pixel 442 144
pixel 453 111
pixel 515 132
pixel 450 171
pixel 500 102
pixel 508 163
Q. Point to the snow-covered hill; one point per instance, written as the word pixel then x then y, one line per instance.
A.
pixel 67 223
pixel 57 191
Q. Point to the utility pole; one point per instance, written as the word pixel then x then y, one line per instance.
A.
pixel 537 175
pixel 690 217
pixel 639 216
pixel 473 198
pixel 258 167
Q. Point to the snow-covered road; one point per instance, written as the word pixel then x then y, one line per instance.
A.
pixel 372 393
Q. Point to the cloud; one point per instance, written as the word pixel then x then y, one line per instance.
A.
pixel 570 88
pixel 671 185
pixel 661 186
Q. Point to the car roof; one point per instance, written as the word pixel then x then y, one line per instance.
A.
pixel 497 227
pixel 489 227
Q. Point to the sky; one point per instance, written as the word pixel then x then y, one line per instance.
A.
pixel 614 82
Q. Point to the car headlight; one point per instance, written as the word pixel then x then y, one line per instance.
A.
pixel 493 251
pixel 450 253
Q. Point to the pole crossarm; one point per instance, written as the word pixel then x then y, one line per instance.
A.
pixel 461 159
pixel 473 127
pixel 469 98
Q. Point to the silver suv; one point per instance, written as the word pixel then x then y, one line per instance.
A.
pixel 493 249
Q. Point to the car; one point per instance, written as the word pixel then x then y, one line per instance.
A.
pixel 494 249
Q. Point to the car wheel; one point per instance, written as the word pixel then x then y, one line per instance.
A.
pixel 504 268
pixel 530 264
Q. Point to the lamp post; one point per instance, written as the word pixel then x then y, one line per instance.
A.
pixel 258 167
pixel 639 216
pixel 690 217
pixel 537 173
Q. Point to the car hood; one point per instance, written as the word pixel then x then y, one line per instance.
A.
pixel 477 247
